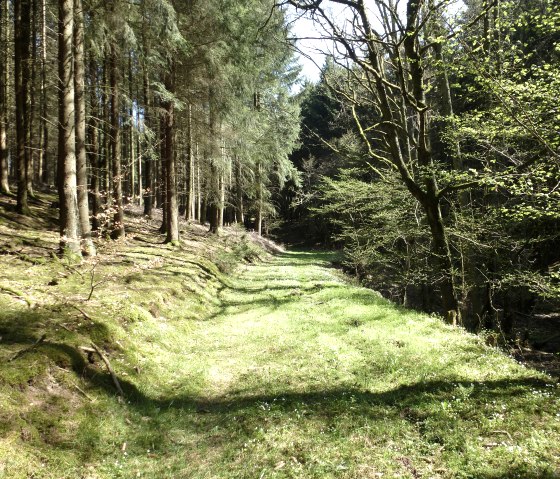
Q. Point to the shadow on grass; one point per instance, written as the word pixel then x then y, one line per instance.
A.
pixel 229 422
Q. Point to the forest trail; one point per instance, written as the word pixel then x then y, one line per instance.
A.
pixel 277 330
pixel 300 373
pixel 282 368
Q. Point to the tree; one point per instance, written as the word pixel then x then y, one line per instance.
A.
pixel 67 183
pixel 172 229
pixel 4 172
pixel 22 20
pixel 115 138
pixel 80 132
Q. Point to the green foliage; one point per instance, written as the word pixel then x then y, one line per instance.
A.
pixel 493 158
pixel 377 224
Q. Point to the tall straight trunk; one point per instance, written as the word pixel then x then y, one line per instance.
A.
pixel 139 155
pixel 198 188
pixel 222 186
pixel 222 200
pixel 157 174
pixel 32 172
pixel 171 167
pixel 149 185
pixel 22 9
pixel 43 126
pixel 259 199
pixel 190 207
pixel 69 224
pixel 214 180
pixel 80 117
pixel 94 162
pixel 239 213
pixel 214 209
pixel 105 158
pixel 149 170
pixel 118 217
pixel 4 172
pixel 162 180
pixel 130 137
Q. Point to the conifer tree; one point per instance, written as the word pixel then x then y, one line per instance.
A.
pixel 67 183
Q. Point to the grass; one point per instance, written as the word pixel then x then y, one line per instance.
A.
pixel 280 368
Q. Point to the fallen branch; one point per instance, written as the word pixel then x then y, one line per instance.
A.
pixel 80 310
pixel 35 345
pixel 84 393
pixel 110 369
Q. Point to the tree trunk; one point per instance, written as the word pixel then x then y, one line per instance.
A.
pixel 139 155
pixel 69 241
pixel 115 140
pixel 131 142
pixel 149 162
pixel 259 199
pixel 22 9
pixel 94 162
pixel 171 174
pixel 240 215
pixel 43 126
pixel 190 207
pixel 215 198
pixel 214 180
pixel 162 183
pixel 198 188
pixel 31 172
pixel 4 171
pixel 80 117
pixel 222 200
pixel 105 158
pixel 442 253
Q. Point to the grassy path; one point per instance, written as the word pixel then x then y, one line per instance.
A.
pixel 294 373
pixel 300 374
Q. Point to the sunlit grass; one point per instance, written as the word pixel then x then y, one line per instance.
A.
pixel 281 369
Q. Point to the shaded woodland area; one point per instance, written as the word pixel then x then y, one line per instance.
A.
pixel 183 106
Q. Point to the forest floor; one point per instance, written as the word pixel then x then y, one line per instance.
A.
pixel 236 362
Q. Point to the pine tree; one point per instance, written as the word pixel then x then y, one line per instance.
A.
pixel 67 187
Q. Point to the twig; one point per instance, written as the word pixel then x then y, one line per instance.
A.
pixel 108 364
pixel 84 314
pixel 84 393
pixel 93 285
pixel 30 348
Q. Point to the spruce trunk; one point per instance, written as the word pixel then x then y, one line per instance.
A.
pixel 171 173
pixel 22 10
pixel 69 241
pixel 80 118
pixel 115 140
pixel 4 172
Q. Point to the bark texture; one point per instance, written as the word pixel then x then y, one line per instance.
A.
pixel 69 224
pixel 80 117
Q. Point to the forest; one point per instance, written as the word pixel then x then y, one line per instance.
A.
pixel 214 265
